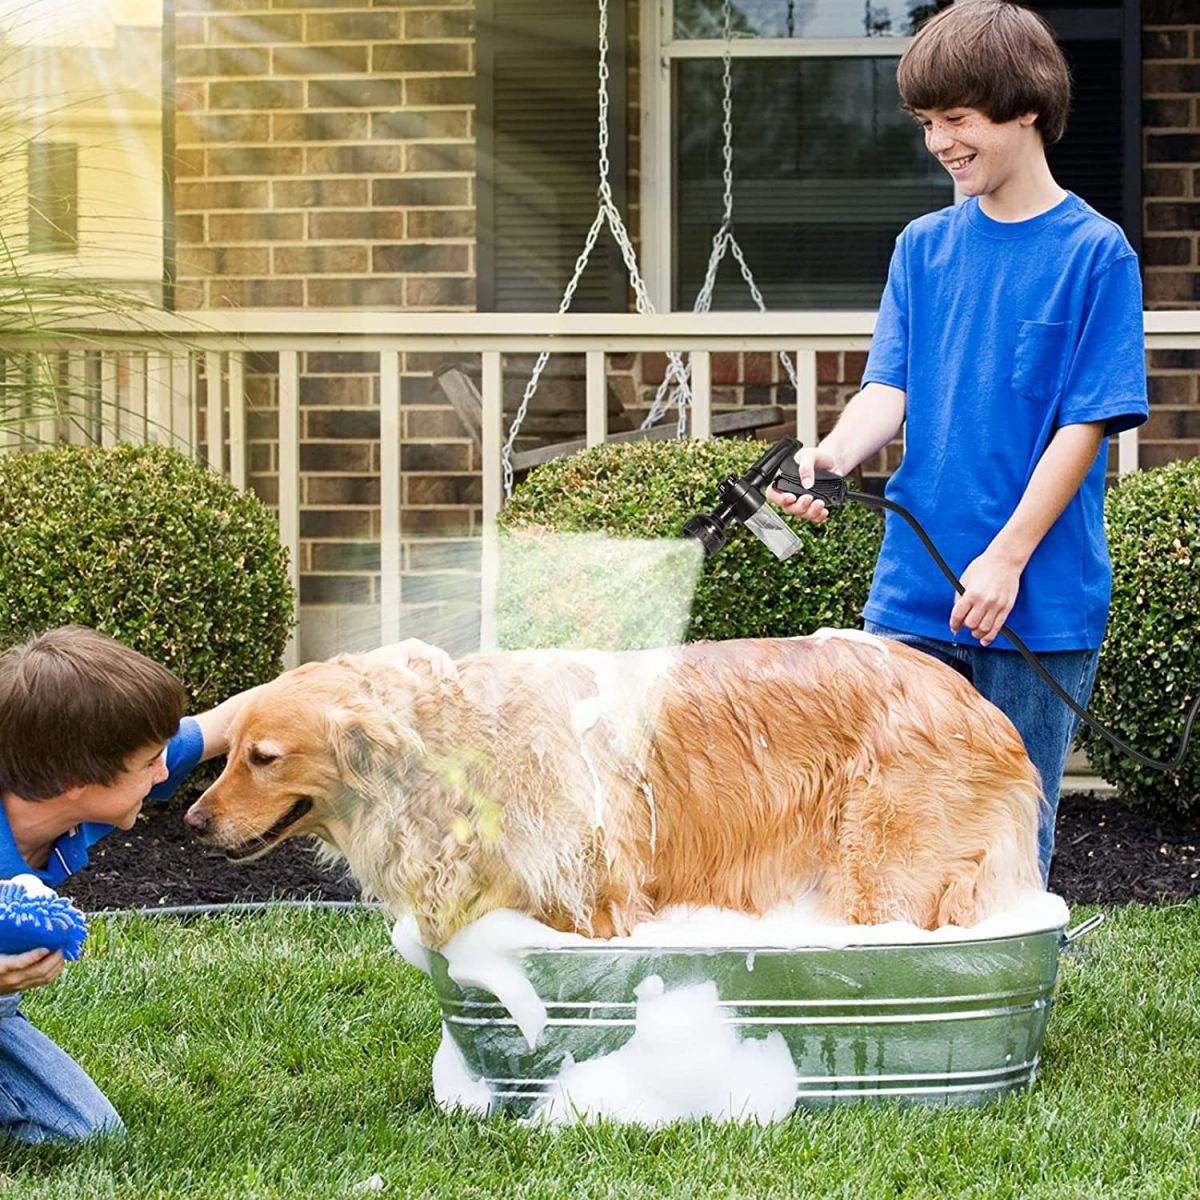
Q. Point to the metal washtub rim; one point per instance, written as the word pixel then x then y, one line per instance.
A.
pixel 879 1019
pixel 803 1004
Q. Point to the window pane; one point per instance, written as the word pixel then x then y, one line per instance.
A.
pixel 827 171
pixel 53 197
pixel 804 18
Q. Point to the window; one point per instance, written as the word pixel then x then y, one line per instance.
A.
pixel 826 168
pixel 537 110
pixel 53 223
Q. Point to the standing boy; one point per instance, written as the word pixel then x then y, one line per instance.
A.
pixel 88 730
pixel 1009 344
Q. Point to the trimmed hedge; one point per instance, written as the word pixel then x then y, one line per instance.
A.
pixel 144 544
pixel 1150 666
pixel 649 489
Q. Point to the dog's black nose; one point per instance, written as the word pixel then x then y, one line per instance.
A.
pixel 196 818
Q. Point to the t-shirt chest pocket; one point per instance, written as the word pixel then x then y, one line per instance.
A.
pixel 1040 360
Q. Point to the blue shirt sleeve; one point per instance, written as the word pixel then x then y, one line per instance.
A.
pixel 888 360
pixel 1106 380
pixel 183 753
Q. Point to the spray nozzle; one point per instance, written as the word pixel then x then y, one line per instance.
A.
pixel 743 502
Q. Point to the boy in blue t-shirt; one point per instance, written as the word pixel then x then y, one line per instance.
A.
pixel 88 730
pixel 1009 345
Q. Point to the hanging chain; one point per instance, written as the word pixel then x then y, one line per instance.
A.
pixel 606 215
pixel 676 378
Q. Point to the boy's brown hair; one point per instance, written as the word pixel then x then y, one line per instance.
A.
pixel 75 705
pixel 991 55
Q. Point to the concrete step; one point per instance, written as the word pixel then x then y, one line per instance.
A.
pixel 1079 776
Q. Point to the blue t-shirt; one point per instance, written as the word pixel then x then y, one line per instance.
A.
pixel 70 853
pixel 1000 333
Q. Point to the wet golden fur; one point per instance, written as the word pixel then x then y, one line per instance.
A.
pixel 591 790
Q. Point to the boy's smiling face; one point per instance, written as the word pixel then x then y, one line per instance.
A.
pixel 119 803
pixel 980 155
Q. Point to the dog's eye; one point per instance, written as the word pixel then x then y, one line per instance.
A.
pixel 260 758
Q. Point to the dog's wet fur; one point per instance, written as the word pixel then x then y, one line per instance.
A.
pixel 593 789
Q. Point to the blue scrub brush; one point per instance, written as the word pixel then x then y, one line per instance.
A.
pixel 34 917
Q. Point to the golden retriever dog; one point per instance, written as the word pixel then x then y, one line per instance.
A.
pixel 592 789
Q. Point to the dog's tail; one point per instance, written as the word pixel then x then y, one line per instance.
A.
pixel 987 881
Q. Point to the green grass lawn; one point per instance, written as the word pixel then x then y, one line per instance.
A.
pixel 288 1054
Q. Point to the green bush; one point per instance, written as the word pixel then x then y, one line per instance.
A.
pixel 154 550
pixel 1150 666
pixel 649 489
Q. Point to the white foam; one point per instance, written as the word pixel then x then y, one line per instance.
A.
pixel 453 1084
pixel 852 635
pixel 32 884
pixel 789 926
pixel 483 955
pixel 407 939
pixel 682 1062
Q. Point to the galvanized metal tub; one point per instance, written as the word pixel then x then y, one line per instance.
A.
pixel 949 1022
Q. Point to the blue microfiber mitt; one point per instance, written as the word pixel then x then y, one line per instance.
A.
pixel 32 916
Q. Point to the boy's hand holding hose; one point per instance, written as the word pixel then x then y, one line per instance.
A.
pixel 806 507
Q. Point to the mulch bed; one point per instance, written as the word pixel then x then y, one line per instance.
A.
pixel 1106 853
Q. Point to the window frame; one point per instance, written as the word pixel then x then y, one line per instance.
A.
pixel 660 50
pixel 44 234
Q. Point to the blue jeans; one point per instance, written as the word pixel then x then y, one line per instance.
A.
pixel 1046 725
pixel 45 1095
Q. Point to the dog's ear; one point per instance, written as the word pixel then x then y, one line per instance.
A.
pixel 417 656
pixel 370 749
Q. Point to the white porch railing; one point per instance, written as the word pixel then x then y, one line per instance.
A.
pixel 163 396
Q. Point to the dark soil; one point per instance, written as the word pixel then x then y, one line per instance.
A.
pixel 1106 853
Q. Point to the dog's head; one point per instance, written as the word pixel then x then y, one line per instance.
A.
pixel 305 747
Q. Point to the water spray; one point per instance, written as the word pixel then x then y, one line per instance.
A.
pixel 743 503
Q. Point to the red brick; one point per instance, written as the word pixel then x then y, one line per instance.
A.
pixel 257 94
pixel 318 260
pixel 320 126
pixel 354 293
pixel 256 160
pixel 255 227
pixel 420 123
pixel 318 60
pixel 354 93
pixel 437 292
pixel 354 160
pixel 368 225
pixel 414 258
pixel 447 90
pixel 261 28
pixel 203 128
pixel 429 224
pixel 352 27
pixel 223 63
pixel 436 58
pixel 256 293
pixel 436 158
pixel 421 193
pixel 418 25
pixel 319 193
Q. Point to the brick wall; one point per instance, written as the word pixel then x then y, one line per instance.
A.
pixel 325 158
pixel 1171 223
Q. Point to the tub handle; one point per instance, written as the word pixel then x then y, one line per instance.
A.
pixel 1083 928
